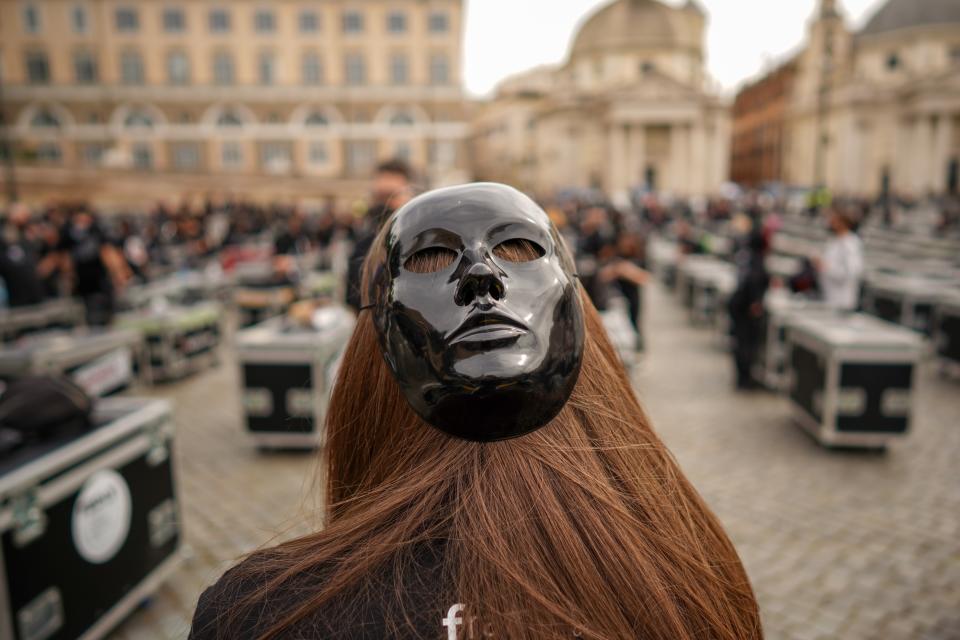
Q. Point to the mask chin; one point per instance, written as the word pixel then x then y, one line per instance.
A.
pixel 488 345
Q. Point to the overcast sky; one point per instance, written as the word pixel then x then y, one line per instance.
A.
pixel 743 36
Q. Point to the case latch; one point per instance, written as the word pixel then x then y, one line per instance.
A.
pixel 29 520
pixel 159 451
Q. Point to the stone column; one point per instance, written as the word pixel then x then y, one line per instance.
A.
pixel 615 153
pixel 675 180
pixel 941 153
pixel 698 161
pixel 639 155
pixel 926 155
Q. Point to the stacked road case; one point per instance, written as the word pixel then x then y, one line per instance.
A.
pixel 99 360
pixel 60 313
pixel 89 523
pixel 178 341
pixel 712 285
pixel 851 378
pixel 903 299
pixel 287 373
pixel 780 309
pixel 946 329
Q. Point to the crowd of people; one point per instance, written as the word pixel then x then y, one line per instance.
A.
pixel 68 249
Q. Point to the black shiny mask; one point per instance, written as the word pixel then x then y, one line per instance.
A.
pixel 485 347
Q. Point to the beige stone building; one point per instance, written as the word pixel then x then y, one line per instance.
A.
pixel 879 109
pixel 122 99
pixel 631 107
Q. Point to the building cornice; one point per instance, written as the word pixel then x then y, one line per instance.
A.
pixel 250 94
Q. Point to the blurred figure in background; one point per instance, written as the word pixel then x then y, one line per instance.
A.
pixel 20 259
pixel 841 266
pixel 746 306
pixel 391 190
pixel 97 267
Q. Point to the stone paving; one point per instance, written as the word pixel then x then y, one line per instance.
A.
pixel 839 545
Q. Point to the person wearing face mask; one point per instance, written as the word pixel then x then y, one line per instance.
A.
pixel 489 470
pixel 841 266
pixel 391 190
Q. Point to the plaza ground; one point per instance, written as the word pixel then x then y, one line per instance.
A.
pixel 838 545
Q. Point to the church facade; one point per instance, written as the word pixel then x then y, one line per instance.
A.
pixel 630 108
pixel 874 111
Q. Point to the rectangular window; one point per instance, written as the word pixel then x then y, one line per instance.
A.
pixel 142 156
pixel 352 22
pixel 397 22
pixel 78 19
pixel 38 69
pixel 31 18
pixel 317 153
pixel 309 21
pixel 178 68
pixel 355 69
pixel 223 68
pixel 275 157
pixel 219 21
pixel 439 69
pixel 231 155
pixel 127 20
pixel 174 21
pixel 955 55
pixel 264 21
pixel 361 156
pixel 399 69
pixel 131 68
pixel 312 71
pixel 438 22
pixel 84 68
pixel 266 69
pixel 403 151
pixel 442 153
pixel 92 154
pixel 186 156
pixel 49 153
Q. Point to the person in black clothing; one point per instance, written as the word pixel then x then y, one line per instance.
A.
pixel 97 266
pixel 746 307
pixel 391 190
pixel 294 239
pixel 20 260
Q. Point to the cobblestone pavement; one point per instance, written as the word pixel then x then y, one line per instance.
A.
pixel 839 545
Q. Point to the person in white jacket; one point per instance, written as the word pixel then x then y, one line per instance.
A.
pixel 841 266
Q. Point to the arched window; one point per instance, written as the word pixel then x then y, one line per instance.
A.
pixel 401 119
pixel 317 119
pixel 229 118
pixel 44 119
pixel 138 118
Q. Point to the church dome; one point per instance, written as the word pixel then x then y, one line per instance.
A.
pixel 627 24
pixel 902 14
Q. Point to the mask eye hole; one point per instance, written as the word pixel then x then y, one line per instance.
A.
pixel 430 260
pixel 518 250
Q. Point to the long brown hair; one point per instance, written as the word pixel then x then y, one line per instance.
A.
pixel 585 528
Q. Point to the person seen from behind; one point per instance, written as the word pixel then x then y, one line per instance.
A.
pixel 841 266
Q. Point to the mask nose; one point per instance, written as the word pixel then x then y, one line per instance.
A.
pixel 479 281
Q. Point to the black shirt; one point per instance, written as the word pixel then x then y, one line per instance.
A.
pixel 376 216
pixel 18 268
pixel 84 245
pixel 367 612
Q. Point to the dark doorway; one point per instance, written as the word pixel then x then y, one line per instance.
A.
pixel 953 176
pixel 650 177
